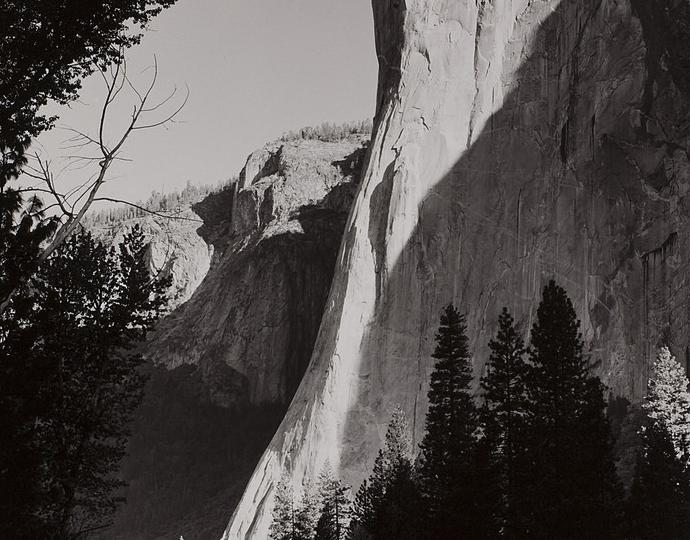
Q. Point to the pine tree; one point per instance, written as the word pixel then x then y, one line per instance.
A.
pixel 89 307
pixel 503 418
pixel 572 491
pixel 283 524
pixel 668 400
pixel 387 501
pixel 448 448
pixel 335 507
pixel 659 504
pixel 307 514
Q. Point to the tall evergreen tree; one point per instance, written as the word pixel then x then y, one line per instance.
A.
pixel 503 419
pixel 335 507
pixel 283 524
pixel 307 514
pixel 668 400
pixel 88 307
pixel 448 448
pixel 572 491
pixel 386 503
pixel 291 521
pixel 659 504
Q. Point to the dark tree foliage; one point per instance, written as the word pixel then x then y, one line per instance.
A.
pixel 659 504
pixel 22 230
pixel 70 383
pixel 49 46
pixel 503 419
pixel 448 449
pixel 572 490
pixel 387 503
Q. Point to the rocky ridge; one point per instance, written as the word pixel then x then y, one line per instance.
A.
pixel 251 267
pixel 253 320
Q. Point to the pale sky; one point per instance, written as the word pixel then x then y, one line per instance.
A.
pixel 255 69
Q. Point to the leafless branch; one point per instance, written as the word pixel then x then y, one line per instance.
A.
pixel 75 203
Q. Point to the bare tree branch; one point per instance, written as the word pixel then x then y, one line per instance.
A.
pixel 75 203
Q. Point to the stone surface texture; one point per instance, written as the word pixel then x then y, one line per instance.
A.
pixel 515 141
pixel 251 324
pixel 174 248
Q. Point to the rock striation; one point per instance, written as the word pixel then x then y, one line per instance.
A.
pixel 515 141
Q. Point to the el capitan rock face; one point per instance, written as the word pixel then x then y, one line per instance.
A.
pixel 515 141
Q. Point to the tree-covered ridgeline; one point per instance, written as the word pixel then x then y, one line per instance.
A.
pixel 530 456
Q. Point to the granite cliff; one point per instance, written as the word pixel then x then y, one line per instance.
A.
pixel 251 266
pixel 514 141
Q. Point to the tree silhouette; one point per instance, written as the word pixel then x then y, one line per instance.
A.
pixel 503 418
pixel 283 524
pixel 572 490
pixel 387 503
pixel 87 308
pixel 659 504
pixel 448 449
pixel 335 507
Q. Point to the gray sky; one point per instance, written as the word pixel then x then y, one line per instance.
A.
pixel 255 69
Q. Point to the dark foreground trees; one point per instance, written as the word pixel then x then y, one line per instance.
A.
pixel 49 47
pixel 387 502
pixel 504 420
pixel 447 478
pixel 571 490
pixel 67 317
pixel 659 505
pixel 70 384
pixel 334 513
pixel 535 458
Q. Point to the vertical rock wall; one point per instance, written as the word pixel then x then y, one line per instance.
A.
pixel 515 141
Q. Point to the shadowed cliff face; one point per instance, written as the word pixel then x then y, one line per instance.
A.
pixel 250 326
pixel 515 142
